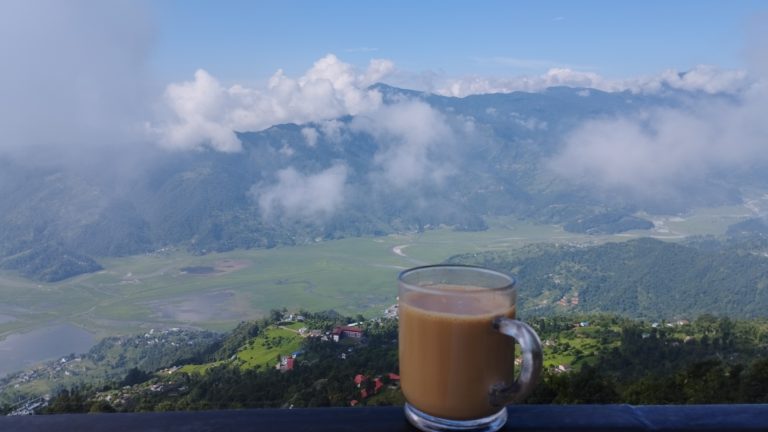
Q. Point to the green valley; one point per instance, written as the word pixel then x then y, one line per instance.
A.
pixel 171 288
pixel 354 275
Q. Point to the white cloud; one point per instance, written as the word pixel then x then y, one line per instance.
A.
pixel 332 130
pixel 665 154
pixel 530 123
pixel 656 154
pixel 205 113
pixel 286 150
pixel 705 78
pixel 72 76
pixel 413 136
pixel 310 135
pixel 709 79
pixel 313 196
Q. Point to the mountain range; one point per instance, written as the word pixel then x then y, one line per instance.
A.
pixel 420 161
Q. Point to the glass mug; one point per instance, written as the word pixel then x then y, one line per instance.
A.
pixel 457 347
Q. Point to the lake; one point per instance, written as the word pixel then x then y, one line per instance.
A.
pixel 21 350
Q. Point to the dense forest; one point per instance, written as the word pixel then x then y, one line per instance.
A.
pixel 643 278
pixel 710 360
pixel 610 359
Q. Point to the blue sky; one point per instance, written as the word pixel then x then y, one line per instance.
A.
pixel 189 73
pixel 245 41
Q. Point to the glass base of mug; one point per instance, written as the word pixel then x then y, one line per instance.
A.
pixel 428 423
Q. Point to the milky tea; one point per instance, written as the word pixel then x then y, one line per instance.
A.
pixel 450 354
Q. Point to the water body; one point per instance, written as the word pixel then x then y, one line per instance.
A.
pixel 21 350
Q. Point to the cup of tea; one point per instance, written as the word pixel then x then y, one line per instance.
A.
pixel 457 348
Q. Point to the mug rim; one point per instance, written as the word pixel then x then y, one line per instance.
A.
pixel 510 285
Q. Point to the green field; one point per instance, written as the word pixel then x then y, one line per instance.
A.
pixel 355 275
pixel 577 347
pixel 352 276
pixel 261 351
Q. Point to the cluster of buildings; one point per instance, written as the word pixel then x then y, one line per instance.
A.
pixel 289 317
pixel 347 331
pixel 352 331
pixel 305 332
pixel 29 406
pixel 391 312
pixel 678 323
pixel 337 334
pixel 127 395
pixel 70 365
pixel 370 387
pixel 287 362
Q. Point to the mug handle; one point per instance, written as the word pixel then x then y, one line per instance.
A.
pixel 502 393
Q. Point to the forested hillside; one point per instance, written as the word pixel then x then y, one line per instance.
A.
pixel 588 359
pixel 643 278
pixel 116 360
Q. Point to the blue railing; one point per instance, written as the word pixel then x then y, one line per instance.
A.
pixel 571 418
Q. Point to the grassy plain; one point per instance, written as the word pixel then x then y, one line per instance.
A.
pixel 355 275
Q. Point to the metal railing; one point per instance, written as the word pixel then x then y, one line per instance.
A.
pixel 571 418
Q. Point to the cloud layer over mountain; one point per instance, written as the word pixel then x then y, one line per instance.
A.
pixel 81 70
pixel 205 113
pixel 656 155
pixel 75 82
pixel 705 78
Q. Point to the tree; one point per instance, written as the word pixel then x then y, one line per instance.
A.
pixel 101 407
pixel 588 386
pixel 135 376
pixel 67 401
pixel 275 316
pixel 754 386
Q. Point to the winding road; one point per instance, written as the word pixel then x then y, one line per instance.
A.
pixel 398 250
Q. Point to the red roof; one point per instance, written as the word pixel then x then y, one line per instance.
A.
pixel 338 331
pixel 363 393
pixel 353 402
pixel 394 376
pixel 377 385
pixel 359 378
pixel 289 364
